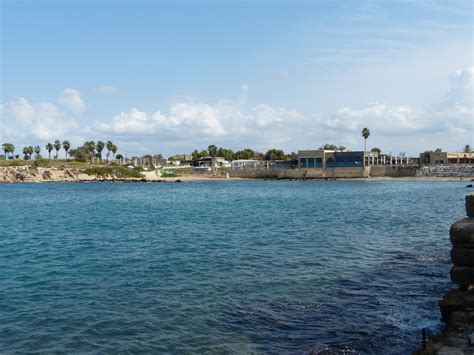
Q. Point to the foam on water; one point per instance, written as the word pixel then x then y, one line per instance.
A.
pixel 338 267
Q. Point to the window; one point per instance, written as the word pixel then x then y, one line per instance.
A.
pixel 330 163
pixel 318 163
pixel 303 163
pixel 310 162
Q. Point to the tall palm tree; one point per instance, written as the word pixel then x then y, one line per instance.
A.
pixel 66 147
pixel 90 145
pixel 37 151
pixel 49 148
pixel 109 147
pixel 365 133
pixel 114 150
pixel 100 147
pixel 57 146
pixel 25 153
pixel 6 149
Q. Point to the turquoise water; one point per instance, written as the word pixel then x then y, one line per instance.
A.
pixel 224 267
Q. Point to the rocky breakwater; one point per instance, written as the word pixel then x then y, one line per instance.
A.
pixel 62 174
pixel 457 306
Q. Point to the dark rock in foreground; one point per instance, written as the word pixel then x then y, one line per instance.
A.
pixel 457 306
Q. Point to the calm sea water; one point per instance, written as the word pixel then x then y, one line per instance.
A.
pixel 224 267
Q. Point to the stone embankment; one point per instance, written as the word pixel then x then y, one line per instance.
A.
pixel 455 170
pixel 58 174
pixel 457 306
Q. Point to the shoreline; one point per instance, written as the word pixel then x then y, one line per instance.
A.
pixel 190 178
pixel 64 173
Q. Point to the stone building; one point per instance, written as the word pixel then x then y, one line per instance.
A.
pixel 446 158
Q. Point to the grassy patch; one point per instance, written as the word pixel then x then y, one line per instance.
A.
pixel 116 171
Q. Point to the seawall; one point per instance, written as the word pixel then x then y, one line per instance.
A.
pixel 330 173
pixel 457 306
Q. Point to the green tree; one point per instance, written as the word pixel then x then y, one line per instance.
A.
pixel 25 153
pixel 57 146
pixel 38 152
pixel 376 150
pixel 341 148
pixel 274 154
pixel 227 154
pixel 8 148
pixel 329 147
pixel 195 154
pixel 109 145
pixel 212 149
pixel 5 149
pixel 247 153
pixel 100 147
pixel 365 133
pixel 49 148
pixel 66 147
pixel 114 150
pixel 90 146
pixel 80 154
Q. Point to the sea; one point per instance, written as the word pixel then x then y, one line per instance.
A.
pixel 226 267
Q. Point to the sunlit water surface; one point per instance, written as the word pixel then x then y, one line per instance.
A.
pixel 231 266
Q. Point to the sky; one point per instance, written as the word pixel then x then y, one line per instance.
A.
pixel 173 76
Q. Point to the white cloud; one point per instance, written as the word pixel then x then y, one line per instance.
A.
pixel 106 89
pixel 129 123
pixel 72 100
pixel 24 120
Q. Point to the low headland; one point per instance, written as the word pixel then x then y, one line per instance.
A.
pixel 44 170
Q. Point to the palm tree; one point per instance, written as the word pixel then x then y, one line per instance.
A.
pixel 100 147
pixel 37 151
pixel 114 150
pixel 49 148
pixel 25 153
pixel 57 146
pixel 109 146
pixel 90 145
pixel 6 149
pixel 66 147
pixel 365 133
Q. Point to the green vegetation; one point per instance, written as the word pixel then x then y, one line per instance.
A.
pixel 49 148
pixel 335 147
pixel 116 171
pixel 365 133
pixel 8 148
pixel 66 147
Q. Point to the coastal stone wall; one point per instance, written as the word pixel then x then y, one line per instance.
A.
pixel 454 170
pixel 337 173
pixel 341 173
pixel 457 306
pixel 392 171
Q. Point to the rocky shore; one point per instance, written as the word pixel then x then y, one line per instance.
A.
pixel 61 174
pixel 457 306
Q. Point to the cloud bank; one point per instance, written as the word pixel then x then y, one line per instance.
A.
pixel 187 124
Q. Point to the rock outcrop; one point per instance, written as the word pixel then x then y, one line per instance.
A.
pixel 457 306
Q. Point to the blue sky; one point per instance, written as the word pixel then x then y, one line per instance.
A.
pixel 171 76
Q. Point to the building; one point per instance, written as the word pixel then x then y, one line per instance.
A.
pixel 219 162
pixel 328 159
pixel 245 164
pixel 446 158
pixel 181 159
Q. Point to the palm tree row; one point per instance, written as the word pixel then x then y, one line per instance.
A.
pixel 93 149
